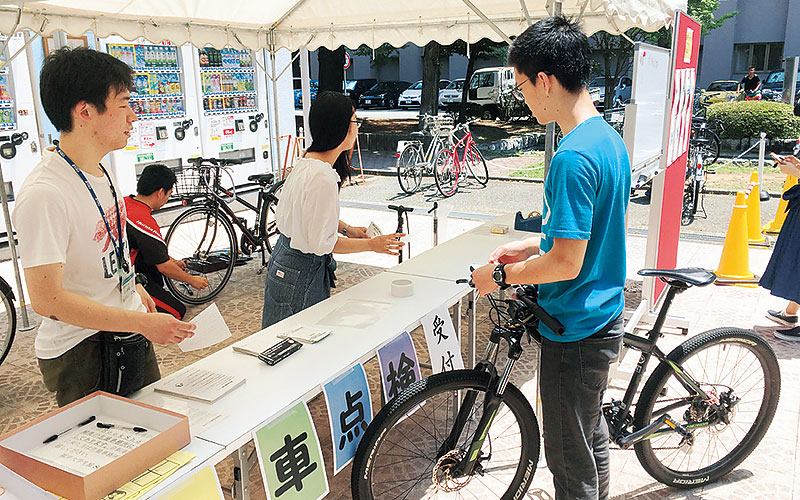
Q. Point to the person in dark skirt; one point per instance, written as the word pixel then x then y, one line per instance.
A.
pixel 783 270
pixel 300 271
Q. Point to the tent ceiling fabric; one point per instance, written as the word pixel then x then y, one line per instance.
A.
pixel 329 23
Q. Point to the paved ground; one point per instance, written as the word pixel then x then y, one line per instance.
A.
pixel 504 196
pixel 771 472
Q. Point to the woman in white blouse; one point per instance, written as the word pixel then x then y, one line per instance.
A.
pixel 301 269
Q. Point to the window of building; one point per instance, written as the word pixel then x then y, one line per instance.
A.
pixel 763 56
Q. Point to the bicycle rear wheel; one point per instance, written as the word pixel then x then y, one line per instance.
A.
pixel 409 170
pixel 8 319
pixel 476 164
pixel 400 455
pixel 268 225
pixel 738 369
pixel 446 173
pixel 203 238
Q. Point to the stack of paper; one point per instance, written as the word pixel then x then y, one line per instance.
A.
pixel 199 385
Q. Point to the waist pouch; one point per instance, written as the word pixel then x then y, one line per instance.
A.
pixel 124 360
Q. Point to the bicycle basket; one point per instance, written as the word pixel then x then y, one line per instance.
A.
pixel 191 183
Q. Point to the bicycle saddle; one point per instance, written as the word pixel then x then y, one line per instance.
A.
pixel 692 275
pixel 262 179
pixel 417 134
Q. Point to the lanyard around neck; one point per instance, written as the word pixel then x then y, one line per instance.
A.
pixel 118 248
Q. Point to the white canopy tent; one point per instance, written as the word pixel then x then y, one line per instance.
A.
pixel 310 24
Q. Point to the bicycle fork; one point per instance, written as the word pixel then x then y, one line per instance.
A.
pixel 494 397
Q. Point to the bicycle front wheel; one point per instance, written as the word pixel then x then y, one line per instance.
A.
pixel 402 455
pixel 409 170
pixel 203 238
pixel 445 173
pixel 476 164
pixel 8 320
pixel 740 372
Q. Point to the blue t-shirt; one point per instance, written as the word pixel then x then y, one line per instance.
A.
pixel 585 198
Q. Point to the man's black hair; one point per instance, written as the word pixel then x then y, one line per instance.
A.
pixel 556 46
pixel 153 178
pixel 70 76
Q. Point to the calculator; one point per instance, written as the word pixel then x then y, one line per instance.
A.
pixel 279 351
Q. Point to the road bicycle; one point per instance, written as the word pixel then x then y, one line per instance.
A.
pixel 450 168
pixel 8 319
pixel 415 160
pixel 473 434
pixel 203 236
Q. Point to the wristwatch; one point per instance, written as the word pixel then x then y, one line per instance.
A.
pixel 344 230
pixel 141 279
pixel 499 275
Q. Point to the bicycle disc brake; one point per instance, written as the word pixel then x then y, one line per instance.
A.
pixel 441 475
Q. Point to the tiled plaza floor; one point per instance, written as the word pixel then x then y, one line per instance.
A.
pixel 771 472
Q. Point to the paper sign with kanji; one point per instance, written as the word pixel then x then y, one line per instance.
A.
pixel 350 412
pixel 290 457
pixel 443 345
pixel 399 365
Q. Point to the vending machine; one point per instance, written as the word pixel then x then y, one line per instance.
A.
pixel 233 106
pixel 19 147
pixel 165 100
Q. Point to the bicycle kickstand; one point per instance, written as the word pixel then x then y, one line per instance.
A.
pixel 400 211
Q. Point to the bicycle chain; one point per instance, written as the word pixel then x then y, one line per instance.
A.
pixel 660 448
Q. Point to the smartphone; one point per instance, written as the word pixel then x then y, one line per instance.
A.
pixel 777 158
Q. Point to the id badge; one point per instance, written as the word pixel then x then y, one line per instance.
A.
pixel 127 285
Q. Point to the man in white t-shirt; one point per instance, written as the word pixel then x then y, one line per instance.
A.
pixel 98 323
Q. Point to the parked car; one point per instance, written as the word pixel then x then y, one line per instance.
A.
pixel 772 86
pixel 487 89
pixel 719 91
pixel 298 94
pixel 597 89
pixel 354 88
pixel 622 93
pixel 385 94
pixel 412 96
pixel 451 95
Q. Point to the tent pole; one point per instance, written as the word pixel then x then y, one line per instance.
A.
pixel 525 11
pixel 550 128
pixel 488 21
pixel 275 143
pixel 305 82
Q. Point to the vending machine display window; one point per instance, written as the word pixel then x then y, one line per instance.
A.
pixel 227 81
pixel 8 114
pixel 157 80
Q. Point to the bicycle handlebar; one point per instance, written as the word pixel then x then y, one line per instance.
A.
pixel 214 162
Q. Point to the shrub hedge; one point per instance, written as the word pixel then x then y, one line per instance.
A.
pixel 739 120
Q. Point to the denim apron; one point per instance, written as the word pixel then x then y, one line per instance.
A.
pixel 295 280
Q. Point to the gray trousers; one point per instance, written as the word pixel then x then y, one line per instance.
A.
pixel 574 377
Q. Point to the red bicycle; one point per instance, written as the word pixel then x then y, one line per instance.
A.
pixel 452 164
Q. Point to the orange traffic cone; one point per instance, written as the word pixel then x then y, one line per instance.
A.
pixel 754 236
pixel 734 264
pixel 775 226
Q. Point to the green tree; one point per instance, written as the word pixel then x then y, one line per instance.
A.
pixel 617 53
pixel 383 55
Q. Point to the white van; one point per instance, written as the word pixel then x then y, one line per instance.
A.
pixel 486 87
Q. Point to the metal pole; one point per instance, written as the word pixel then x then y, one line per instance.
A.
pixel 762 148
pixel 37 98
pixel 276 132
pixel 26 325
pixel 305 83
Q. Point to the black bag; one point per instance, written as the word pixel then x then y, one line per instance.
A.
pixel 124 360
pixel 532 224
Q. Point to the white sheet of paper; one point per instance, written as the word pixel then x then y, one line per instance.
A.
pixel 211 329
pixel 196 383
pixel 15 487
pixel 373 230
pixel 356 314
pixel 443 345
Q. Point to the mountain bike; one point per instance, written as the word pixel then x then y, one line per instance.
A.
pixel 710 141
pixel 449 169
pixel 414 160
pixel 203 236
pixel 472 433
pixel 8 319
pixel 696 176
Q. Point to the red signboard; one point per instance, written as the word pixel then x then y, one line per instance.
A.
pixel 683 75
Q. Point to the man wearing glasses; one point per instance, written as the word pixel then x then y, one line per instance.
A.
pixel 579 263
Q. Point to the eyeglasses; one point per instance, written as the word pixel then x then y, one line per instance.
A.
pixel 517 94
pixel 357 122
